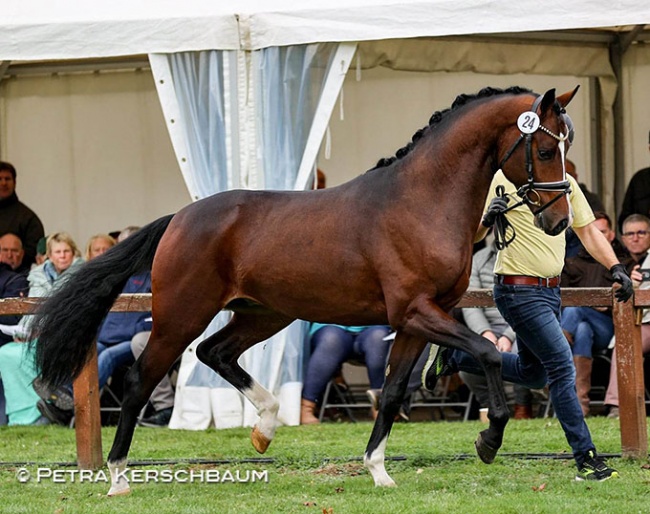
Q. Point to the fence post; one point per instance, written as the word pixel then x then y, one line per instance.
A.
pixel 631 387
pixel 88 424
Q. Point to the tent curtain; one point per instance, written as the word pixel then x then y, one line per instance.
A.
pixel 282 87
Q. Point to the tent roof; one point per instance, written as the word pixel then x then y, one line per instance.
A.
pixel 77 29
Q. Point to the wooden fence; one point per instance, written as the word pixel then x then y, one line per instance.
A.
pixel 627 325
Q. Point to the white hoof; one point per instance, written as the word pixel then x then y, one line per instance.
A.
pixel 119 480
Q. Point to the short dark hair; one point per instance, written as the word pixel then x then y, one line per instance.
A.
pixel 600 215
pixel 7 166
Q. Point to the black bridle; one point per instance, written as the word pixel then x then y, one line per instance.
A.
pixel 562 187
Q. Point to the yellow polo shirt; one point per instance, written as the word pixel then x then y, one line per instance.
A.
pixel 533 252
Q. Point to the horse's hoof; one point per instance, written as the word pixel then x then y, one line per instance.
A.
pixel 119 491
pixel 259 440
pixel 484 450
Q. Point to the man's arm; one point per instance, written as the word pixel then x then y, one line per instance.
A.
pixel 597 245
pixel 601 250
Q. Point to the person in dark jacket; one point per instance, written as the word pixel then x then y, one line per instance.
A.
pixel 637 195
pixel 586 328
pixel 16 217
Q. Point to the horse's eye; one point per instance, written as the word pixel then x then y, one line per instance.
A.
pixel 545 155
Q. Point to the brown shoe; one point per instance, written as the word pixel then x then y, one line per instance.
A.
pixel 523 412
pixel 307 409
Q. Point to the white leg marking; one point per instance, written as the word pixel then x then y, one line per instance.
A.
pixel 267 408
pixel 119 481
pixel 375 464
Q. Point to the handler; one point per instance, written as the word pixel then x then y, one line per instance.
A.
pixel 527 293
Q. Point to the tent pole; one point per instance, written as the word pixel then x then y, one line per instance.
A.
pixel 333 83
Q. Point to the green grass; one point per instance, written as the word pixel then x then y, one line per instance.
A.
pixel 316 468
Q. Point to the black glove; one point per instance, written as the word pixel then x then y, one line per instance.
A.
pixel 619 274
pixel 498 205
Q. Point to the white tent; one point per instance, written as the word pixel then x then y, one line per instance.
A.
pixel 231 77
pixel 41 30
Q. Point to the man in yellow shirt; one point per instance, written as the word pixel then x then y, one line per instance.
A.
pixel 527 293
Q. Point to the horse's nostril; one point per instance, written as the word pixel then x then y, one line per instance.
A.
pixel 560 227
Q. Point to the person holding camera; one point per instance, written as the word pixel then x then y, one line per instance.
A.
pixel 636 235
pixel 590 329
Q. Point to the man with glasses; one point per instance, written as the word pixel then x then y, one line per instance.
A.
pixel 636 237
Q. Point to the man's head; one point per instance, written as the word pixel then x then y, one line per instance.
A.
pixel 604 225
pixel 636 235
pixel 11 250
pixel 7 180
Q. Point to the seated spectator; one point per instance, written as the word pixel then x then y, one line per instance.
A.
pixel 611 396
pixel 488 322
pixel 16 217
pixel 12 253
pixel 17 358
pixel 41 252
pixel 114 339
pixel 97 245
pixel 12 285
pixel 331 346
pixel 573 244
pixel 162 398
pixel 590 329
pixel 636 236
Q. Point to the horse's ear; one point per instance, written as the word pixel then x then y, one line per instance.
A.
pixel 564 99
pixel 547 101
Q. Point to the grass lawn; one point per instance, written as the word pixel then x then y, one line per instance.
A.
pixel 317 469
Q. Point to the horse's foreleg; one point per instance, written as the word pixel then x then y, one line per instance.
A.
pixel 221 352
pixel 139 383
pixel 435 325
pixel 403 355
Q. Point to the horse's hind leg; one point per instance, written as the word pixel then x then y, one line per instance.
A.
pixel 221 351
pixel 403 356
pixel 430 322
pixel 139 383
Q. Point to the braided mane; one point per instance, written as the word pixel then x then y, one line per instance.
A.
pixel 436 117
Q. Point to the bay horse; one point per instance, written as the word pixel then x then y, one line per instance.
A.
pixel 392 246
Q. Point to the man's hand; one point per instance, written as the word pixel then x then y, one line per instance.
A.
pixel 619 274
pixel 498 205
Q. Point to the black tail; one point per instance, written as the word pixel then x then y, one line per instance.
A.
pixel 66 324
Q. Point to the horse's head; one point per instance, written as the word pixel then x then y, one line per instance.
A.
pixel 533 158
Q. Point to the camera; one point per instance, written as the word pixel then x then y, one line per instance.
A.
pixel 645 273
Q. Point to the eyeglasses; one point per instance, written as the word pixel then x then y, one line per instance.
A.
pixel 638 233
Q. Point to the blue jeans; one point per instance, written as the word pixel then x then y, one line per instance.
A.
pixel 110 357
pixel 590 329
pixel 332 346
pixel 543 355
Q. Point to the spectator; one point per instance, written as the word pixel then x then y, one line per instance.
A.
pixel 637 195
pixel 12 285
pixel 573 244
pixel 488 322
pixel 162 398
pixel 41 251
pixel 114 340
pixel 636 235
pixel 632 227
pixel 590 329
pixel 16 217
pixel 17 358
pixel 12 253
pixel 331 346
pixel 97 245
